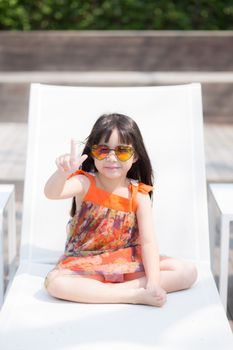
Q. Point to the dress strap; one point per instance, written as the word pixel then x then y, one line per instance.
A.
pixel 82 172
pixel 136 187
pixel 143 188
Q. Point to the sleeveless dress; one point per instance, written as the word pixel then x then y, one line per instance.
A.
pixel 103 236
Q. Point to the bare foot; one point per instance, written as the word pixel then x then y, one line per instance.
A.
pixel 147 298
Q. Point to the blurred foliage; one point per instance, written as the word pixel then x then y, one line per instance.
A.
pixel 116 14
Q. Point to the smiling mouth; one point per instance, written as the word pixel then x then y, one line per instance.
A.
pixel 112 167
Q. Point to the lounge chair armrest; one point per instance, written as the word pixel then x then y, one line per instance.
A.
pixel 7 220
pixel 220 217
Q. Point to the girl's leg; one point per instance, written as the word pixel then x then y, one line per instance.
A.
pixel 174 275
pixel 92 290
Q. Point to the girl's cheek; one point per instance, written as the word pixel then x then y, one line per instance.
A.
pixel 97 164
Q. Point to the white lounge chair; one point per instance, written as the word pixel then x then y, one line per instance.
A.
pixel 171 122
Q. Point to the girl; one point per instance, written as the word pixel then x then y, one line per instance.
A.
pixel 111 253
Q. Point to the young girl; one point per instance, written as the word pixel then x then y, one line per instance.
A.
pixel 111 253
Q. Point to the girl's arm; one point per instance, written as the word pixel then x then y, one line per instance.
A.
pixel 150 251
pixel 57 186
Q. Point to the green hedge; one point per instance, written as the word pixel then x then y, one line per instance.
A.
pixel 116 14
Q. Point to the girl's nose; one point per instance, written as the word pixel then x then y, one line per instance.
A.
pixel 112 155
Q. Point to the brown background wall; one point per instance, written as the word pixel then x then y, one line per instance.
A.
pixel 106 51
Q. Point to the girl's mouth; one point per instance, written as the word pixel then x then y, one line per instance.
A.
pixel 112 167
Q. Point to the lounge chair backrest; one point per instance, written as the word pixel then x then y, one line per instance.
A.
pixel 170 119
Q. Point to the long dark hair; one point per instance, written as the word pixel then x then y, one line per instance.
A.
pixel 129 133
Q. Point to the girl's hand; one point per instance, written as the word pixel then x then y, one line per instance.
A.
pixel 157 291
pixel 69 163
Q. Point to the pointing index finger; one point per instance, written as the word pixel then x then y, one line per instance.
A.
pixel 73 149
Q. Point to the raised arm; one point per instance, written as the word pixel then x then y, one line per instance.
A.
pixel 57 186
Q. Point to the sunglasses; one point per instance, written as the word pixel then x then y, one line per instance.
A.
pixel 122 152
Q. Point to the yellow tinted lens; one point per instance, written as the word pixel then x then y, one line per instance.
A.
pixel 124 153
pixel 100 152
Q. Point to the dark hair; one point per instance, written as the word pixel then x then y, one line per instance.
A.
pixel 129 133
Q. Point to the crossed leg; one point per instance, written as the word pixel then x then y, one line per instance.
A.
pixel 175 275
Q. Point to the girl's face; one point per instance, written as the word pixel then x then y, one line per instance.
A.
pixel 111 167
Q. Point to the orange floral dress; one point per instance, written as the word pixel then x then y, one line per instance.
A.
pixel 103 236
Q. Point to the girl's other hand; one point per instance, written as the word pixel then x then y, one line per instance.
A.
pixel 70 162
pixel 157 291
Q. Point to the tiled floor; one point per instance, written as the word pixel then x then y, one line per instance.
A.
pixel 219 152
